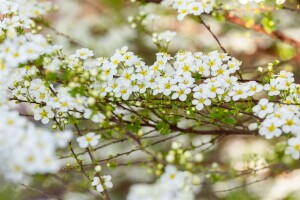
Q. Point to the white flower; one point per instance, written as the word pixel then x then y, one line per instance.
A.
pixel 254 88
pixel 62 138
pixel 263 108
pixel 123 92
pixel 273 87
pixel 115 59
pixel 199 103
pixel 212 89
pixel 202 68
pixel 239 91
pixel 19 92
pixel 97 183
pixel 181 93
pixel 234 65
pixel 182 10
pixel 164 38
pixel 128 76
pixel 44 114
pixel 84 53
pixel 293 147
pixel 189 7
pixel 172 177
pixel 196 8
pixel 8 7
pixel 89 139
pixel 129 58
pixel 270 128
pixel 291 123
pixel 280 2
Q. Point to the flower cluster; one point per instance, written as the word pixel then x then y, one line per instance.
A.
pixel 174 77
pixel 163 39
pixel 187 7
pixel 201 78
pixel 50 102
pixel 279 119
pixel 106 181
pixel 280 83
pixel 20 50
pixel 294 147
pixel 4 74
pixel 20 13
pixel 172 185
pixel 25 149
pixel 16 47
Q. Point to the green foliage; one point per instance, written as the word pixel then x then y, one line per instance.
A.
pixel 134 127
pixel 229 120
pixel 268 22
pixel 240 195
pixel 224 115
pixel 285 51
pixel 9 192
pixel 163 128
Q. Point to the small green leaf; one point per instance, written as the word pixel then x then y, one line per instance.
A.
pixel 229 120
pixel 163 128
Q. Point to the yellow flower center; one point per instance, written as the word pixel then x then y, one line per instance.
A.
pixel 167 85
pixel 263 107
pixel 44 113
pixel 144 72
pixel 124 91
pixel 10 122
pixel 42 95
pixel 181 92
pixel 297 147
pixel 253 88
pixel 172 176
pixel 213 89
pixel 271 128
pixel 239 92
pixel 186 68
pixel 211 63
pixel 290 122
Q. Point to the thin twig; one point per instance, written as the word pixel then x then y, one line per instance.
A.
pixel 212 33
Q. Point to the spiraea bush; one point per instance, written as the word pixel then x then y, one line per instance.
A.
pixel 76 124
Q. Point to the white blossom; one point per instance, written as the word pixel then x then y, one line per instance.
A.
pixel 89 139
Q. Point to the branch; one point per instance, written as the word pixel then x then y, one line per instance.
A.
pixel 212 33
pixel 39 191
pixel 242 186
pixel 215 132
pixel 259 29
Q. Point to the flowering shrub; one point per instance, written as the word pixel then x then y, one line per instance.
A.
pixel 79 118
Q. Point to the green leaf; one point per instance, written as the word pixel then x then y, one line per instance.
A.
pixel 229 120
pixel 134 127
pixel 163 128
pixel 268 22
